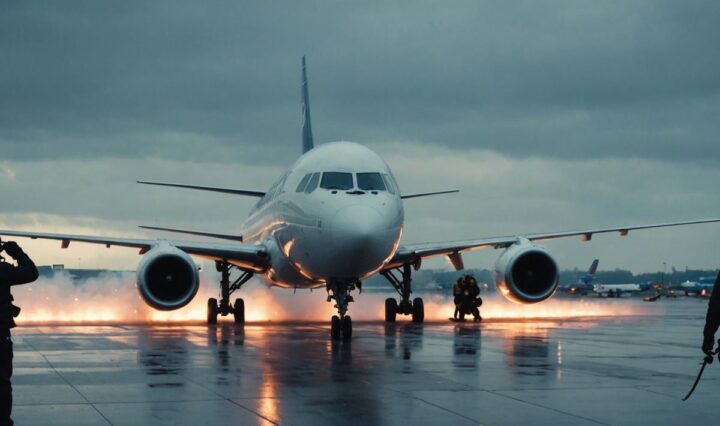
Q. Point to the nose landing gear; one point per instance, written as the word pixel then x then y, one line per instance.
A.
pixel 339 291
pixel 403 286
pixel 226 289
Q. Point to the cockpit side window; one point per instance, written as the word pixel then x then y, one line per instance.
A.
pixel 312 183
pixel 389 184
pixel 370 182
pixel 303 183
pixel 337 180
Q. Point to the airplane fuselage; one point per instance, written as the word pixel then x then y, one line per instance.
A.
pixel 336 214
pixel 606 288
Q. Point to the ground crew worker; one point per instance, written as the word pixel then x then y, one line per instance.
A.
pixel 473 296
pixel 712 319
pixel 10 275
pixel 457 295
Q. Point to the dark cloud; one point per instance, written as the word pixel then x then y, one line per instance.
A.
pixel 178 79
pixel 599 113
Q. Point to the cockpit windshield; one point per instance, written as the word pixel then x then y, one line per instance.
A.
pixel 370 182
pixel 337 180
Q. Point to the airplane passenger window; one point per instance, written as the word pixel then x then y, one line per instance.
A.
pixel 370 182
pixel 303 182
pixel 337 180
pixel 313 183
pixel 389 183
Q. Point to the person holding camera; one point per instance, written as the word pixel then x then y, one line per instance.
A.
pixel 10 275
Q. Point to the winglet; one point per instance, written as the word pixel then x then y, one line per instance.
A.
pixel 307 136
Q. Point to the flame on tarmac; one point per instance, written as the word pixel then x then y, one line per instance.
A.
pixel 113 298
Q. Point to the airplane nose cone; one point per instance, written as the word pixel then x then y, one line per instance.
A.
pixel 357 223
pixel 361 240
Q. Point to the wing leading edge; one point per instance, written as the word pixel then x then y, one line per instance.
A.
pixel 409 253
pixel 207 188
pixel 248 256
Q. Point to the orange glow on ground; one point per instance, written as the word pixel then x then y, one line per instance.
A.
pixel 114 299
pixel 496 307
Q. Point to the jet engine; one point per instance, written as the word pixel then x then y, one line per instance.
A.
pixel 526 273
pixel 167 278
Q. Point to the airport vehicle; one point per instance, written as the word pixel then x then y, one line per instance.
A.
pixel 584 283
pixel 332 220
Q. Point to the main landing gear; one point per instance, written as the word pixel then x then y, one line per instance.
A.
pixel 226 289
pixel 404 288
pixel 339 291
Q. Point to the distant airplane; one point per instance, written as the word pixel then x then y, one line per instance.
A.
pixel 332 220
pixel 615 290
pixel 702 287
pixel 584 282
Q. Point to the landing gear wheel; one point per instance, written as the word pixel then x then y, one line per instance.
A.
pixel 347 328
pixel 418 311
pixel 239 311
pixel 390 310
pixel 212 311
pixel 335 327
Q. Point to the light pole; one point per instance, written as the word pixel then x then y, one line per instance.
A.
pixel 663 275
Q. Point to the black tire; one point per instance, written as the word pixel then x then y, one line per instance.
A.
pixel 418 311
pixel 239 311
pixel 212 311
pixel 335 327
pixel 479 302
pixel 347 328
pixel 390 310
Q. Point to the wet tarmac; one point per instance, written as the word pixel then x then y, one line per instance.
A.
pixel 580 372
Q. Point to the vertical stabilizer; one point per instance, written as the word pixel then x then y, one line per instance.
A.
pixel 307 136
pixel 593 267
pixel 588 278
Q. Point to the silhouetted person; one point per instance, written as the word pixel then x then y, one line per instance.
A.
pixel 10 275
pixel 712 319
pixel 473 290
pixel 457 295
pixel 467 300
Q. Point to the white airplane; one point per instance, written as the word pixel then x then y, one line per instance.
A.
pixel 332 220
pixel 617 289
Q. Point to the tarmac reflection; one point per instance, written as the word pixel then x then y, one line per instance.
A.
pixel 403 338
pixel 163 352
pixel 527 350
pixel 221 335
pixel 466 345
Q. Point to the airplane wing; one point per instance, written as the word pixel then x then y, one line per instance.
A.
pixel 410 253
pixel 202 234
pixel 426 194
pixel 207 188
pixel 249 256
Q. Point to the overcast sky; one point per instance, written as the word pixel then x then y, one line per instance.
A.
pixel 546 115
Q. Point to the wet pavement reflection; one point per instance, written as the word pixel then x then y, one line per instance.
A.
pixel 466 346
pixel 490 373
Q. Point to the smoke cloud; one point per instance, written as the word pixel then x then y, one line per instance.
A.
pixel 113 298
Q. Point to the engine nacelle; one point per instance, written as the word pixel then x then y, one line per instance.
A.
pixel 526 273
pixel 167 278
